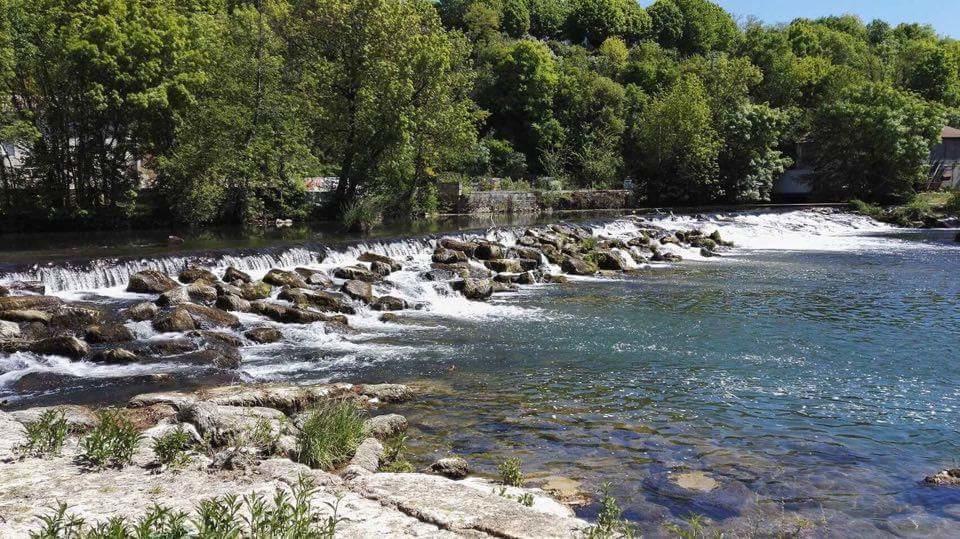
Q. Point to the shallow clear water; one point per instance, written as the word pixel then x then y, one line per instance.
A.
pixel 812 373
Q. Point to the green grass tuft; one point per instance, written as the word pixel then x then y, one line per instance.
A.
pixel 610 521
pixel 47 435
pixel 330 435
pixel 510 472
pixel 112 442
pixel 172 449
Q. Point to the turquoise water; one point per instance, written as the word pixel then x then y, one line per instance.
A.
pixel 811 374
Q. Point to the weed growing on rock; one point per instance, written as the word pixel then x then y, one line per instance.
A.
pixel 172 448
pixel 610 521
pixel 47 435
pixel 112 442
pixel 694 528
pixel 393 455
pixel 288 515
pixel 330 435
pixel 510 472
pixel 526 498
pixel 264 437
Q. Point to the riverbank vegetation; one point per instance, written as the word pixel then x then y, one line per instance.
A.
pixel 222 108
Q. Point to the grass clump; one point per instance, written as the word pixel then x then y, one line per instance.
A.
pixel 952 205
pixel 330 435
pixel 362 214
pixel 112 442
pixel 172 449
pixel 693 528
pixel 47 435
pixel 610 521
pixel 393 455
pixel 510 472
pixel 867 209
pixel 287 514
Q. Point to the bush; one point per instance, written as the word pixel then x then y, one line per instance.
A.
pixel 952 206
pixel 865 208
pixel 610 522
pixel 510 473
pixel 47 435
pixel 330 435
pixel 171 448
pixel 112 442
pixel 393 455
pixel 362 214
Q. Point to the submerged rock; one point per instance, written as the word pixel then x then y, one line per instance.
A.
pixel 150 282
pixel 945 478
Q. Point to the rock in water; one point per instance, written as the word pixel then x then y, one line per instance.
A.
pixel 108 333
pixel 142 312
pixel 193 274
pixel 150 282
pixel 577 266
pixel 284 278
pixel 948 478
pixel 357 289
pixel 382 427
pixel 453 467
pixel 9 330
pixel 256 290
pixel 24 303
pixel 475 289
pixel 177 320
pixel 229 302
pixel 232 275
pixel 389 303
pixel 374 257
pixel 71 347
pixel 263 335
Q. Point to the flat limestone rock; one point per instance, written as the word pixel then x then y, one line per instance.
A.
pixel 289 398
pixel 11 436
pixel 464 507
pixel 79 418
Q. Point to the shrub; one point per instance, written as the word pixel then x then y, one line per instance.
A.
pixel 865 208
pixel 171 449
pixel 47 435
pixel 952 205
pixel 330 435
pixel 510 473
pixel 610 522
pixel 393 455
pixel 362 214
pixel 112 442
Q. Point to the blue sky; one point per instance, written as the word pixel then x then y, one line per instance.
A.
pixel 944 15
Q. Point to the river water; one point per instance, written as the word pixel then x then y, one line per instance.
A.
pixel 806 381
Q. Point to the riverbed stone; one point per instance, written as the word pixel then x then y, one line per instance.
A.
pixel 386 392
pixel 256 290
pixel 284 397
pixel 230 302
pixel 489 251
pixel 475 289
pixel 26 316
pixel 374 257
pixel 504 265
pixel 577 266
pixel 451 467
pixel 277 277
pixel 192 274
pixel 177 320
pixel 142 311
pixel 115 355
pixel 466 247
pixel 78 418
pixel 382 427
pixel 358 289
pixel 209 317
pixel 356 273
pixel 108 333
pixel 945 478
pixel 264 335
pixel 150 282
pixel 225 424
pixel 67 346
pixel 389 303
pixel 233 275
pixel 321 299
pixel 34 303
pixel 448 256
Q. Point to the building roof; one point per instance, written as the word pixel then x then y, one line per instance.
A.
pixel 950 132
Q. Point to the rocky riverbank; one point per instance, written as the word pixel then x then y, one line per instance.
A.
pixel 225 455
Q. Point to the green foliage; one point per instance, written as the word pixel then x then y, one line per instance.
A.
pixel 288 514
pixel 874 144
pixel 510 472
pixel 952 206
pixel 693 26
pixel 693 528
pixel 172 449
pixel 112 442
pixel 393 455
pixel 610 521
pixel 330 434
pixel 45 436
pixel 593 21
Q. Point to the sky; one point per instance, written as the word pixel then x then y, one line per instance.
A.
pixel 944 15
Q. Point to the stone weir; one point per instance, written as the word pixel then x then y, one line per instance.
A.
pixel 239 454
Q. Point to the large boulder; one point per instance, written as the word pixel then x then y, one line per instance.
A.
pixel 78 418
pixel 278 277
pixel 263 335
pixel 475 289
pixel 209 317
pixel 325 301
pixel 177 320
pixel 74 318
pixel 612 260
pixel 448 256
pixel 233 275
pixel 174 296
pixel 66 346
pixel 233 303
pixel 358 289
pixel 529 253
pixel 386 392
pixel 142 311
pixel 466 247
pixel 292 315
pixel 374 257
pixel 315 278
pixel 226 424
pixel 489 251
pixel 150 282
pixel 108 333
pixel 380 268
pixel 256 290
pixel 389 303
pixel 504 265
pixel 192 274
pixel 27 316
pixel 35 303
pixel 577 266
pixel 356 273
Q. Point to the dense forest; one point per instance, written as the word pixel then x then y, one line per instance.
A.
pixel 234 102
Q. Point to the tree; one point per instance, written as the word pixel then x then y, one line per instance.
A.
pixel 547 18
pixel 933 73
pixel 593 21
pixel 874 143
pixel 677 146
pixel 693 26
pixel 242 150
pixel 384 86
